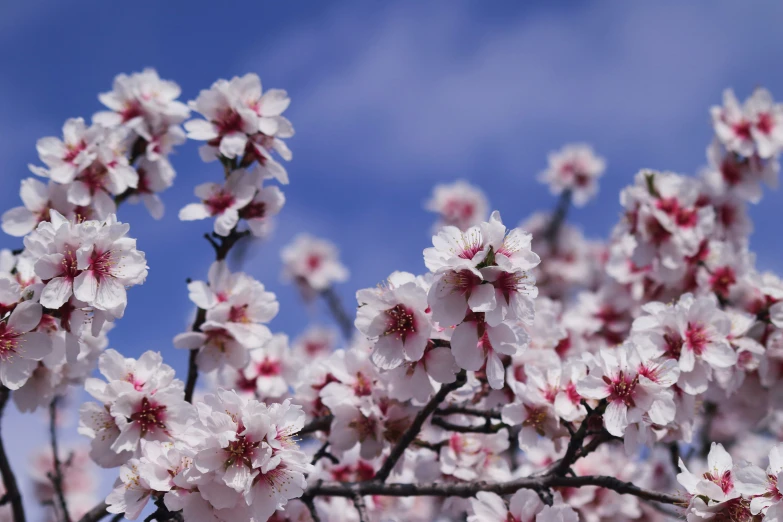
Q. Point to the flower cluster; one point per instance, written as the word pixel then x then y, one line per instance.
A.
pixel 243 127
pixel 235 306
pixel 497 386
pixel 240 462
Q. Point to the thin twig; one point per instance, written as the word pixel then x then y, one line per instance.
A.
pixel 710 410
pixel 57 476
pixel 323 453
pixel 415 427
pixel 222 246
pixel 338 312
pixel 9 479
pixel 95 514
pixel 558 217
pixel 577 441
pixel 190 383
pixel 361 508
pixel 308 501
pixel 317 424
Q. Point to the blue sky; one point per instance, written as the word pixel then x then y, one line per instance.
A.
pixel 388 100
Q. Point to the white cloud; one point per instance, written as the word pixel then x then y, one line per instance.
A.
pixel 436 88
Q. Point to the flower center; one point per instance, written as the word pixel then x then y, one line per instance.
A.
pixel 696 337
pixel 9 342
pixel 150 416
pixel 721 279
pixel 400 322
pixel 621 389
pixel 241 452
pixel 220 202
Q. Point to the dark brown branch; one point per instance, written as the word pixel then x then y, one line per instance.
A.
pixel 95 514
pixel 469 489
pixel 317 424
pixel 465 410
pixel 361 508
pixel 558 217
pixel 459 428
pixel 574 450
pixel 57 476
pixel 9 479
pixel 324 453
pixel 308 501
pixel 338 312
pixel 190 383
pixel 705 440
pixel 413 430
pixel 222 246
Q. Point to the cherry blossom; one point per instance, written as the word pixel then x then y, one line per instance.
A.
pixel 313 263
pixel 458 204
pixel 396 316
pixel 221 201
pixel 575 168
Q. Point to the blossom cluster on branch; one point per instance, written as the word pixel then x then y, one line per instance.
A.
pixel 530 374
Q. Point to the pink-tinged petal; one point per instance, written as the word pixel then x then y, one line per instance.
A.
pixel 56 293
pixel 15 371
pixel 718 458
pixel 448 306
pixel 592 387
pixel 49 266
pixel 750 480
pixel 267 125
pixel 387 352
pixel 464 345
pixel 154 205
pixel 201 295
pixel 193 212
pixel 441 365
pixel 482 298
pixel 201 130
pixel 19 222
pixel 687 359
pixel 233 145
pixel 495 371
pixel 25 317
pixel 503 339
pixel 616 418
pixel 85 287
pixel 35 345
pixel 720 355
pixel 111 294
pixel 79 194
pixel 274 102
pixel 663 410
pixel 415 344
pixel 190 340
pixel 226 221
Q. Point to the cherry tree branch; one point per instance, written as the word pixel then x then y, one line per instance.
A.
pixel 13 495
pixel 338 312
pixel 222 246
pixel 57 476
pixel 361 508
pixel 469 489
pixel 460 428
pixel 575 446
pixel 466 410
pixel 558 217
pixel 317 424
pixel 96 513
pixel 415 427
